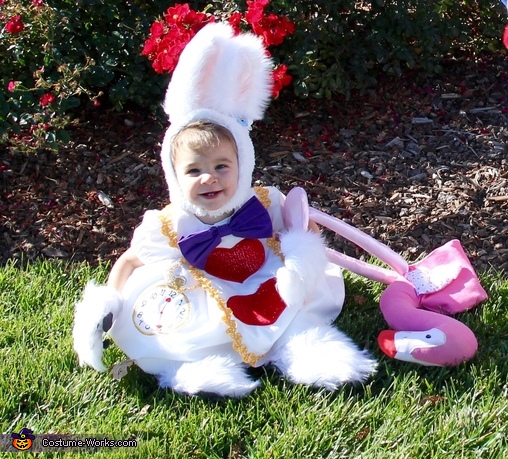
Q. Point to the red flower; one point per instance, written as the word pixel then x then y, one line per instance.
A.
pixel 47 99
pixel 15 25
pixel 167 40
pixel 11 87
pixel 168 37
pixel 182 15
pixel 38 3
pixel 505 37
pixel 280 79
pixel 174 14
pixel 234 20
pixel 273 29
pixel 150 46
pixel 157 29
pixel 255 9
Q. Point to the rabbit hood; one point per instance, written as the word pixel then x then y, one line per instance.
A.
pixel 224 79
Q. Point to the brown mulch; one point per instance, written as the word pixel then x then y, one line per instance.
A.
pixel 417 162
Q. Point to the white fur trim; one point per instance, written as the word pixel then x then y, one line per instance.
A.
pixel 97 302
pixel 323 357
pixel 214 374
pixel 305 256
pixel 225 79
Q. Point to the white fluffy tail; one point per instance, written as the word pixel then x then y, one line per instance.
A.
pixel 323 357
pixel 214 374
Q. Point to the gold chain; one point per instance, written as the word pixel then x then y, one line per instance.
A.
pixel 177 283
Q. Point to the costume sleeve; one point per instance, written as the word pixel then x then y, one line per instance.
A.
pixel 148 242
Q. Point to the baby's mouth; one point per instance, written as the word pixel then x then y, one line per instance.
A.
pixel 210 195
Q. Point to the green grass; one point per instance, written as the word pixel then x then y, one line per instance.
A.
pixel 404 411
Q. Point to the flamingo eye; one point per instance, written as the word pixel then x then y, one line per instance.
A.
pixel 428 336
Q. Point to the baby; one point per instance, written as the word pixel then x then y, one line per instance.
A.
pixel 216 281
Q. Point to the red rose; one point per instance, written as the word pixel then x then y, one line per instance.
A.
pixel 273 29
pixel 280 79
pixel 505 37
pixel 47 99
pixel 175 14
pixel 11 87
pixel 150 46
pixel 168 38
pixel 15 25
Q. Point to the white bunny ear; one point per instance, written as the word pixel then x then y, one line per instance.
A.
pixel 222 72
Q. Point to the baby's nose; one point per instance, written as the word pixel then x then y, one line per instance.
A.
pixel 208 178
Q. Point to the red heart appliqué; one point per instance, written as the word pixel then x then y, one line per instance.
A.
pixel 261 308
pixel 237 263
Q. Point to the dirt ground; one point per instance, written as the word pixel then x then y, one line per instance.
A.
pixel 415 163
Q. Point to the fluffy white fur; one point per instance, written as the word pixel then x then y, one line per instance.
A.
pixel 224 79
pixel 98 301
pixel 214 374
pixel 323 357
pixel 305 261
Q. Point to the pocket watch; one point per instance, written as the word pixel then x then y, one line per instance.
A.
pixel 162 308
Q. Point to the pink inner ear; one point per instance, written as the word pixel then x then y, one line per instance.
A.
pixel 205 82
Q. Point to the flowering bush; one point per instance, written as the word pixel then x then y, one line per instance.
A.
pixel 58 56
pixel 169 35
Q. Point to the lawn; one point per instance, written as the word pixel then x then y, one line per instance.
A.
pixel 404 411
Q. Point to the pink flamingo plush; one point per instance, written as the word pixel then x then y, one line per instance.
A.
pixel 419 297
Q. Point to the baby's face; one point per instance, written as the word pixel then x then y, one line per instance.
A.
pixel 208 179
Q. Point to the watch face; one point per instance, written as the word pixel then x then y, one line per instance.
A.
pixel 160 309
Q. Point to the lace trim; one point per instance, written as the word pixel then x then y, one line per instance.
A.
pixel 206 284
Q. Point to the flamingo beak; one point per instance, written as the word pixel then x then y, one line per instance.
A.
pixel 386 341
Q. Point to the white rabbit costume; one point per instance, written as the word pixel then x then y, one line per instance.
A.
pixel 253 300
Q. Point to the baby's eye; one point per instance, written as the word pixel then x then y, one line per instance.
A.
pixel 221 166
pixel 193 171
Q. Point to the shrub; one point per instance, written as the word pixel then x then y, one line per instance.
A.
pixel 342 45
pixel 62 53
pixel 57 55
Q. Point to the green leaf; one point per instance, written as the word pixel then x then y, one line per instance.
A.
pixel 68 103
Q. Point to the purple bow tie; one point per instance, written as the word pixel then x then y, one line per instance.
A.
pixel 250 221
